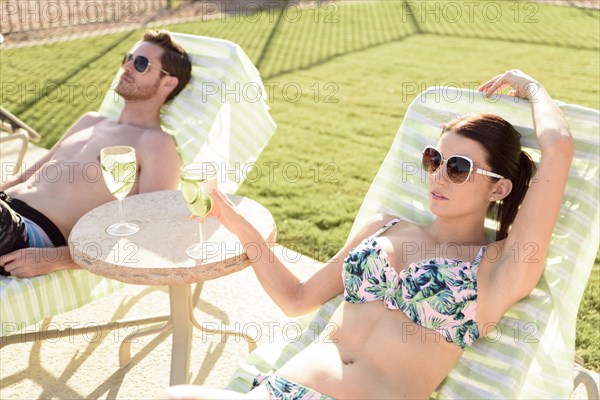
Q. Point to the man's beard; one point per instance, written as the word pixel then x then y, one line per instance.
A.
pixel 132 92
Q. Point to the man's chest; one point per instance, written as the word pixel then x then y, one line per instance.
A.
pixel 84 146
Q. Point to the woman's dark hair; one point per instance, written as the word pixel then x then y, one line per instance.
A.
pixel 502 144
pixel 174 59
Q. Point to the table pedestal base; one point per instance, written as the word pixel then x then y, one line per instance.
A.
pixel 180 322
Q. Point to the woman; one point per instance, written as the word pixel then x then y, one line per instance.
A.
pixel 401 312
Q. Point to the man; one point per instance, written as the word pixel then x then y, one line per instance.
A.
pixel 40 207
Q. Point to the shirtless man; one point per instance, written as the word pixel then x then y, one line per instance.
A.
pixel 40 207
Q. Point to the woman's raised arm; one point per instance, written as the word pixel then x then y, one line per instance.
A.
pixel 525 250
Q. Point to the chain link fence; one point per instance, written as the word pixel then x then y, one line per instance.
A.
pixel 19 16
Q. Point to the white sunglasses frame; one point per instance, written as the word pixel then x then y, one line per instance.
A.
pixel 472 169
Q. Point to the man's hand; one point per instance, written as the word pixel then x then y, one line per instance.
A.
pixel 30 262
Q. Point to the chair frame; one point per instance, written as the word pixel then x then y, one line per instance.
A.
pixel 16 130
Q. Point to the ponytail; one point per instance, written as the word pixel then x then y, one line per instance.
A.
pixel 502 143
pixel 508 207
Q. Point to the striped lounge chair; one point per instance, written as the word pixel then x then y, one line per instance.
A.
pixel 531 354
pixel 221 116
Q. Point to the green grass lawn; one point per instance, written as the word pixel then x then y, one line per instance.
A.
pixel 357 66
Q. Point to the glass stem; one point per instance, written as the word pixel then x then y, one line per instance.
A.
pixel 200 232
pixel 122 218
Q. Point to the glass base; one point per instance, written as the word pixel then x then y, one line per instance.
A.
pixel 122 229
pixel 199 251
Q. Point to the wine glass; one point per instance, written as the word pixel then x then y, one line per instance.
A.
pixel 197 182
pixel 119 171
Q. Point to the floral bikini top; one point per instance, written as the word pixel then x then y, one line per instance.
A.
pixel 437 293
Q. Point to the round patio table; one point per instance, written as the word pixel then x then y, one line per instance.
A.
pixel 155 255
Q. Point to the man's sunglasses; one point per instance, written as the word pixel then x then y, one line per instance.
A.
pixel 141 64
pixel 458 168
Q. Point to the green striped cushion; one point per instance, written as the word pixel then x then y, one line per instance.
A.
pixel 24 302
pixel 230 127
pixel 531 354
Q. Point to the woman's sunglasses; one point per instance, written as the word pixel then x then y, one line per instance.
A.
pixel 458 168
pixel 141 64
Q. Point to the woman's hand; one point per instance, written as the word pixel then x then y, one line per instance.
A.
pixel 227 213
pixel 521 84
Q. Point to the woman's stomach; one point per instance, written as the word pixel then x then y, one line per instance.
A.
pixel 367 351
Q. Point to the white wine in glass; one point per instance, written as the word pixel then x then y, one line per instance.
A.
pixel 197 182
pixel 119 172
